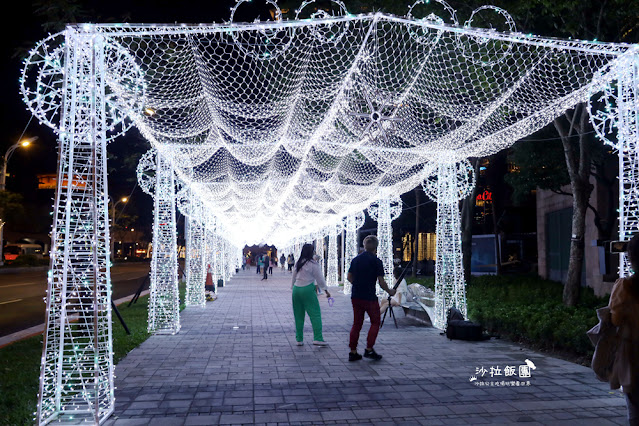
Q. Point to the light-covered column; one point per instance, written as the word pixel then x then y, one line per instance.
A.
pixel 452 182
pixel 195 262
pixel 164 297
pixel 384 211
pixel 319 250
pixel 332 270
pixel 614 111
pixel 211 249
pixel 76 376
pixel 628 144
pixel 351 224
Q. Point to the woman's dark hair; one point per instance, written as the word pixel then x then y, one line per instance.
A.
pixel 305 256
pixel 397 271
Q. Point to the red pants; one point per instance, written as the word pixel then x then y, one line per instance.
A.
pixel 371 307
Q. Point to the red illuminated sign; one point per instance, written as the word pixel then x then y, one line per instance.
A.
pixel 485 196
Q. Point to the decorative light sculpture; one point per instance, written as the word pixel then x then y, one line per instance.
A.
pixel 351 224
pixel 164 296
pixel 385 211
pixel 76 376
pixel 453 181
pixel 308 159
pixel 620 111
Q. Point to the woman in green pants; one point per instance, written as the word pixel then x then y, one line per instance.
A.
pixel 306 275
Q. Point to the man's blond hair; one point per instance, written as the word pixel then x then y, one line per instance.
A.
pixel 370 243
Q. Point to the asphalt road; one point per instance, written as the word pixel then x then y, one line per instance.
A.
pixel 22 294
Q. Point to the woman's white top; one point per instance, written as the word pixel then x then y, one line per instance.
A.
pixel 311 272
pixel 403 290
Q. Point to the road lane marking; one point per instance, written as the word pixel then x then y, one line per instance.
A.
pixel 10 301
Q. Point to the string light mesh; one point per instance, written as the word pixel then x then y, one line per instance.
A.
pixel 283 128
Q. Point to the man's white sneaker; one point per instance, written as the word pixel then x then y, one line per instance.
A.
pixel 300 343
pixel 320 343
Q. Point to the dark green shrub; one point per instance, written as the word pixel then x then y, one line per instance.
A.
pixel 530 309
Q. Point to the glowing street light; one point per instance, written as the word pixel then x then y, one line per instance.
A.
pixel 114 205
pixel 3 178
pixel 7 155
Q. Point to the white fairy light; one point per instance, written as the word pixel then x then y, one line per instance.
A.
pixel 259 121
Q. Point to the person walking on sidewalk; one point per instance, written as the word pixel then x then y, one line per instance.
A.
pixel 282 262
pixel 306 276
pixel 364 272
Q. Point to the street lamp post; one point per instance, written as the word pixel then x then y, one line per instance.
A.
pixel 3 183
pixel 112 239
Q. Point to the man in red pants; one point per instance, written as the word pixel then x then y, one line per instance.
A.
pixel 364 272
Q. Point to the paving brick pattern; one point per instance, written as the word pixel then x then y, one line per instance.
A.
pixel 235 362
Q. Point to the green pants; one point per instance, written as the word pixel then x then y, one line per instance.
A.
pixel 305 300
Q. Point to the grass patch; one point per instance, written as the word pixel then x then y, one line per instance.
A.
pixel 20 362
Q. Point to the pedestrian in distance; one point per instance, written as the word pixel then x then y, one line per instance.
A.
pixel 265 265
pixel 271 263
pixel 624 310
pixel 365 271
pixel 282 262
pixel 307 277
pixel 291 262
pixel 259 264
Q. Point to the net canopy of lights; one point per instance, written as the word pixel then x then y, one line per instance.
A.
pixel 283 132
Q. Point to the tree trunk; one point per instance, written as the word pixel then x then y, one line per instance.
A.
pixel 579 163
pixel 467 213
pixel 577 244
pixel 416 235
pixel 497 237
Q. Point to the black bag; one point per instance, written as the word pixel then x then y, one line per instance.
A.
pixel 458 328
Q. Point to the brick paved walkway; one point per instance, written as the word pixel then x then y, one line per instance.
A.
pixel 236 362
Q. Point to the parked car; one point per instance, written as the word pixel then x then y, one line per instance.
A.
pixel 12 251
